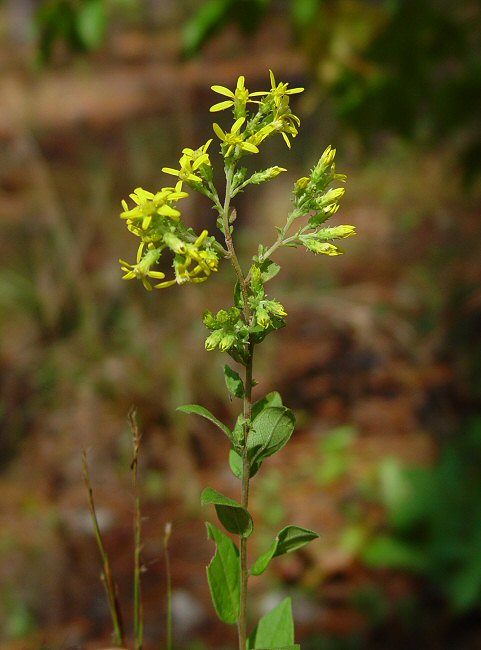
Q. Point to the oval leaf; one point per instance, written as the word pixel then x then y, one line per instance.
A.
pixel 271 430
pixel 232 515
pixel 223 576
pixel 233 382
pixel 271 399
pixel 235 463
pixel 205 413
pixel 289 539
pixel 275 630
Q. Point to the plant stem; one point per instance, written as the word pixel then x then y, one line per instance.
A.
pixel 107 578
pixel 167 533
pixel 229 172
pixel 138 610
pixel 242 622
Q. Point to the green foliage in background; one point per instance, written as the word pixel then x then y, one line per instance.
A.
pixel 80 25
pixel 410 68
pixel 434 521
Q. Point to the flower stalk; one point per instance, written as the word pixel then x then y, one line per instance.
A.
pixel 263 427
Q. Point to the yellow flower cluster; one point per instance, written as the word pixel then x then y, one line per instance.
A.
pixel 157 222
pixel 273 116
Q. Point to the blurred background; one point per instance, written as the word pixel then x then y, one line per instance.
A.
pixel 381 359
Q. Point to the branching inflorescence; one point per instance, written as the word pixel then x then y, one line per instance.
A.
pixel 265 426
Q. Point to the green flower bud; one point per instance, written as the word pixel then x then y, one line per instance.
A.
pixel 266 175
pixel 214 339
pixel 320 247
pixel 262 317
pixel 337 232
pixel 227 342
pixel 274 307
pixel 222 317
pixel 209 320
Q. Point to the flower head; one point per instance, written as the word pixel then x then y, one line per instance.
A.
pixel 234 138
pixel 237 99
pixel 150 206
pixel 191 162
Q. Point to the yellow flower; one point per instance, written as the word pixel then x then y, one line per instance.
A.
pixel 237 99
pixel 234 138
pixel 190 161
pixel 142 270
pixel 279 91
pixel 150 205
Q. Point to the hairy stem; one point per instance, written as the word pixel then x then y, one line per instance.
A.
pixel 138 610
pixel 242 623
pixel 229 172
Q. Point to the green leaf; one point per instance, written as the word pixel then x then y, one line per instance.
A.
pixel 91 23
pixel 270 431
pixel 275 630
pixel 271 399
pixel 290 538
pixel 210 17
pixel 223 576
pixel 385 551
pixel 232 515
pixel 233 382
pixel 205 413
pixel 269 270
pixel 235 463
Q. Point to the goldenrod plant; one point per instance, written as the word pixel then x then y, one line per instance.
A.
pixel 265 426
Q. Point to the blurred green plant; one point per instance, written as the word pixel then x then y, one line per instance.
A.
pixel 81 25
pixel 434 520
pixel 407 68
pixel 265 426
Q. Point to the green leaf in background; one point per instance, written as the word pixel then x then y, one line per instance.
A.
pixel 235 463
pixel 91 22
pixel 232 515
pixel 386 551
pixel 233 382
pixel 275 630
pixel 271 430
pixel 223 575
pixel 289 539
pixel 203 24
pixel 205 413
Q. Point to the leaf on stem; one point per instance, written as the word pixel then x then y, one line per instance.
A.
pixel 290 538
pixel 235 463
pixel 275 630
pixel 271 399
pixel 270 431
pixel 205 413
pixel 234 383
pixel 223 576
pixel 232 515
pixel 269 270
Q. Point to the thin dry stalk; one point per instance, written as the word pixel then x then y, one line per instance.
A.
pixel 106 575
pixel 138 609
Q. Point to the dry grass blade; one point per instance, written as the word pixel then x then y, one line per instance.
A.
pixel 107 578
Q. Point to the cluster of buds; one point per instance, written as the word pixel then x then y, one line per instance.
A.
pixel 157 222
pixel 267 314
pixel 228 331
pixel 313 196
